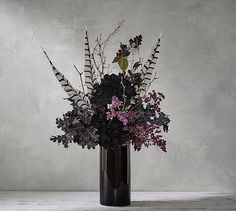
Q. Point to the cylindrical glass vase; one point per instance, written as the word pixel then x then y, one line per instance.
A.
pixel 115 176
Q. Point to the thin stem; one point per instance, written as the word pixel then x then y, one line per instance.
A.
pixel 95 50
pixel 80 75
pixel 95 64
pixel 124 96
pixel 136 105
pixel 132 61
pixel 91 134
pixel 104 43
pixel 99 49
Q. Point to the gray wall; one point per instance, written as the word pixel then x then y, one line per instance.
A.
pixel 197 75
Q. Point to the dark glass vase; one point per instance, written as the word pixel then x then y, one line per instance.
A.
pixel 115 176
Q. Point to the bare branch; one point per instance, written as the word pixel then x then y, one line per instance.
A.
pixel 124 96
pixel 104 43
pixel 80 75
pixel 98 55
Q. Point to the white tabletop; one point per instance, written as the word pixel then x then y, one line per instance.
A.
pixel 141 201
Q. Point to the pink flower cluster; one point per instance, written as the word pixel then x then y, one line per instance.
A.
pixel 115 112
pixel 141 133
pixel 147 135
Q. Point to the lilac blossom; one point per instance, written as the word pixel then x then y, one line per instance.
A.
pixel 113 112
pixel 115 102
pixel 144 133
pixel 123 117
pixel 147 135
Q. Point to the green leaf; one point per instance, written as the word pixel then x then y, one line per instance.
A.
pixel 116 58
pixel 123 63
pixel 136 65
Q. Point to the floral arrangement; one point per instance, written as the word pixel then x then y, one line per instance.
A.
pixel 112 109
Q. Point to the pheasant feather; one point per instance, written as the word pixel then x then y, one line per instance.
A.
pixel 148 68
pixel 89 72
pixel 75 96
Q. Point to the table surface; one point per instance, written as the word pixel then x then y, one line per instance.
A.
pixel 141 201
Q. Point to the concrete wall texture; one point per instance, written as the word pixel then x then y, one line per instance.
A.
pixel 197 75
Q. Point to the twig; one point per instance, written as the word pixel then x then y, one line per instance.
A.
pixel 80 75
pixel 104 43
pixel 140 60
pixel 95 50
pixel 132 61
pixel 92 135
pixel 101 53
pixel 99 49
pixel 136 105
pixel 124 96
pixel 95 63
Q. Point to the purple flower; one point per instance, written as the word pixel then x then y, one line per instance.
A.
pixel 114 112
pixel 143 133
pixel 123 117
pixel 111 114
pixel 147 135
pixel 115 102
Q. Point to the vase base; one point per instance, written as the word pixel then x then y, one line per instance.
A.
pixel 115 204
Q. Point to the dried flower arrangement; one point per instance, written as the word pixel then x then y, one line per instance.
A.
pixel 113 109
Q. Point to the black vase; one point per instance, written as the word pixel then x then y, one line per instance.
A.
pixel 115 176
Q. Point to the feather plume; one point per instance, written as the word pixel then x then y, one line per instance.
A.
pixel 75 96
pixel 89 72
pixel 148 68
